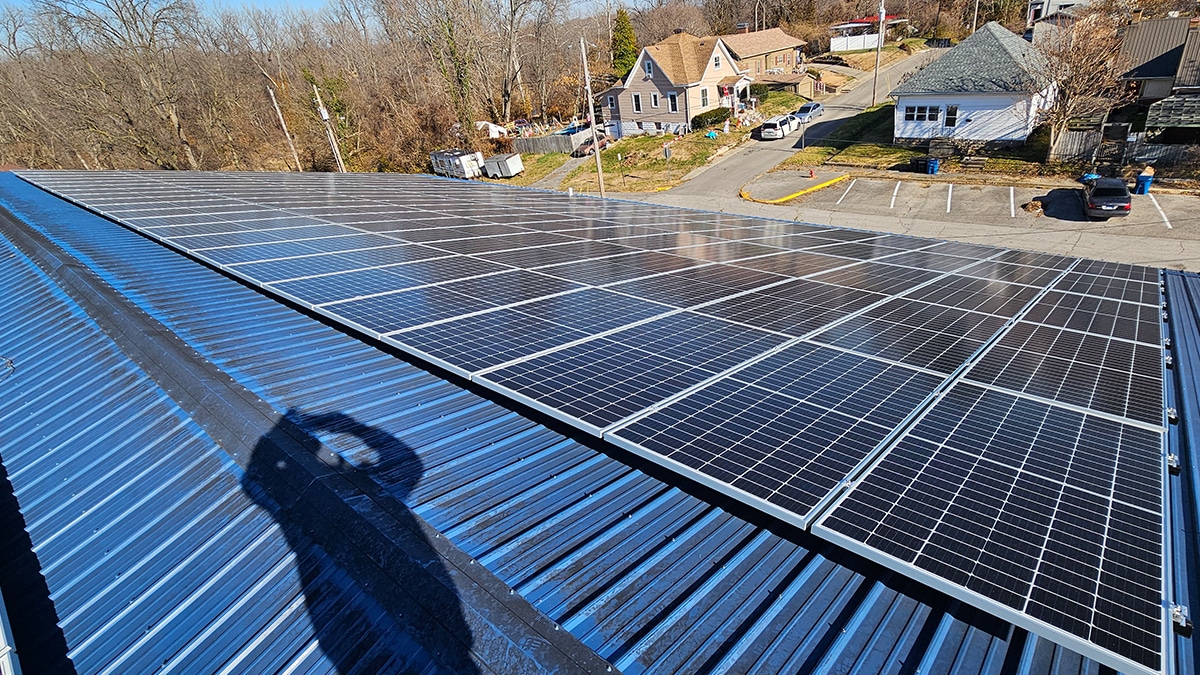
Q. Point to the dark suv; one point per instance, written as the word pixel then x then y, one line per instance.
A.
pixel 1105 198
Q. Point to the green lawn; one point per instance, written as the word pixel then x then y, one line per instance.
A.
pixel 537 166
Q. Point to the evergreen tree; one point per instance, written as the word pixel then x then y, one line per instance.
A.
pixel 624 44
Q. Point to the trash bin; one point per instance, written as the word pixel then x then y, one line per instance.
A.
pixel 1143 184
pixel 933 165
pixel 920 164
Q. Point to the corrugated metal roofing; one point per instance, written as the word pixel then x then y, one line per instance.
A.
pixel 993 60
pixel 1188 74
pixel 1153 47
pixel 652 576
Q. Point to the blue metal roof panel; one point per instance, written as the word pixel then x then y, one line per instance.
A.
pixel 651 577
pixel 154 554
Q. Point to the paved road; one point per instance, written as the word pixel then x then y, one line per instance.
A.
pixel 727 175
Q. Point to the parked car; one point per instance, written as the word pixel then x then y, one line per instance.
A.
pixel 775 127
pixel 793 122
pixel 809 112
pixel 586 149
pixel 1106 198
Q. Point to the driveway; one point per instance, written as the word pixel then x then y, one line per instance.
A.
pixel 727 175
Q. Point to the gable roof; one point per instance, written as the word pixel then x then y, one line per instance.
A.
pixel 746 45
pixel 1153 48
pixel 1188 74
pixel 682 57
pixel 993 60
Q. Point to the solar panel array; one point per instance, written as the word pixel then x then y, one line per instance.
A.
pixel 989 421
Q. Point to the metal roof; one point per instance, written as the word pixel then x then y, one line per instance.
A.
pixel 653 576
pixel 1188 74
pixel 993 60
pixel 1153 48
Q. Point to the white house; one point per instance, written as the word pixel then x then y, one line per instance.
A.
pixel 991 87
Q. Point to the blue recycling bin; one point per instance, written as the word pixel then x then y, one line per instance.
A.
pixel 1143 185
pixel 933 165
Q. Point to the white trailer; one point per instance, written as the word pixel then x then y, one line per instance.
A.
pixel 457 163
pixel 503 166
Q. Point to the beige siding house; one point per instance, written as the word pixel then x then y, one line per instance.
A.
pixel 764 52
pixel 672 82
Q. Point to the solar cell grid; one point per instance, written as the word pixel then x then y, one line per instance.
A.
pixel 478 342
pixel 485 244
pixel 859 250
pixel 697 285
pixel 1109 287
pixel 605 380
pixel 556 254
pixel 978 295
pixel 1011 273
pixel 1016 500
pixel 1109 376
pixel 793 308
pixel 794 263
pixel 620 268
pixel 258 252
pixel 1100 316
pixel 915 333
pixel 200 242
pixel 341 261
pixel 878 277
pixel 928 260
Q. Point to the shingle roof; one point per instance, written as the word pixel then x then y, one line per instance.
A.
pixel 746 45
pixel 1153 48
pixel 682 57
pixel 1181 110
pixel 993 60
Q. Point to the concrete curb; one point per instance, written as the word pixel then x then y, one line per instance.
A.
pixel 746 195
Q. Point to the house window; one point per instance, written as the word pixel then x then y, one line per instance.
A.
pixel 704 97
pixel 921 113
pixel 649 65
pixel 653 100
pixel 716 61
pixel 637 103
pixel 951 116
pixel 612 101
pixel 672 102
pixel 779 59
pixel 757 68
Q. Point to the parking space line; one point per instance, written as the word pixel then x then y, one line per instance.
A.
pixel 893 204
pixel 949 195
pixel 1012 202
pixel 839 201
pixel 1160 211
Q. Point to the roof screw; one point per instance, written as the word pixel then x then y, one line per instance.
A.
pixel 1172 415
pixel 1173 463
pixel 1170 361
pixel 1167 343
pixel 1164 314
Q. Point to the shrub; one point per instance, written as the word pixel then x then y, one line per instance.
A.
pixel 760 91
pixel 709 118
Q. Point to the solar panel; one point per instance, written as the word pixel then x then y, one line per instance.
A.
pixel 1048 517
pixel 810 372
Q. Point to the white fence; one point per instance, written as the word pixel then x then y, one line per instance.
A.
pixel 853 43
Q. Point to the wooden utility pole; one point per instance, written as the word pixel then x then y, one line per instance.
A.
pixel 337 154
pixel 879 51
pixel 283 124
pixel 587 79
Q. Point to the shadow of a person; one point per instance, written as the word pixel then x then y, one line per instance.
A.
pixel 314 503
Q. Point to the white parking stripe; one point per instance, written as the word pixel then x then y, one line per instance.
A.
pixel 949 194
pixel 852 182
pixel 1160 211
pixel 893 204
pixel 1012 202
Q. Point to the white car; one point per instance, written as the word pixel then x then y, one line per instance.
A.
pixel 775 127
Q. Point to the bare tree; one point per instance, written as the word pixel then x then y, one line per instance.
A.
pixel 1083 61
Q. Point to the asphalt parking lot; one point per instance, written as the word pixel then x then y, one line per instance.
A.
pixel 1154 214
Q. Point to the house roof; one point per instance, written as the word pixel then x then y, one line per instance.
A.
pixel 1188 74
pixel 747 45
pixel 992 60
pixel 1153 48
pixel 682 57
pixel 647 574
pixel 1180 110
